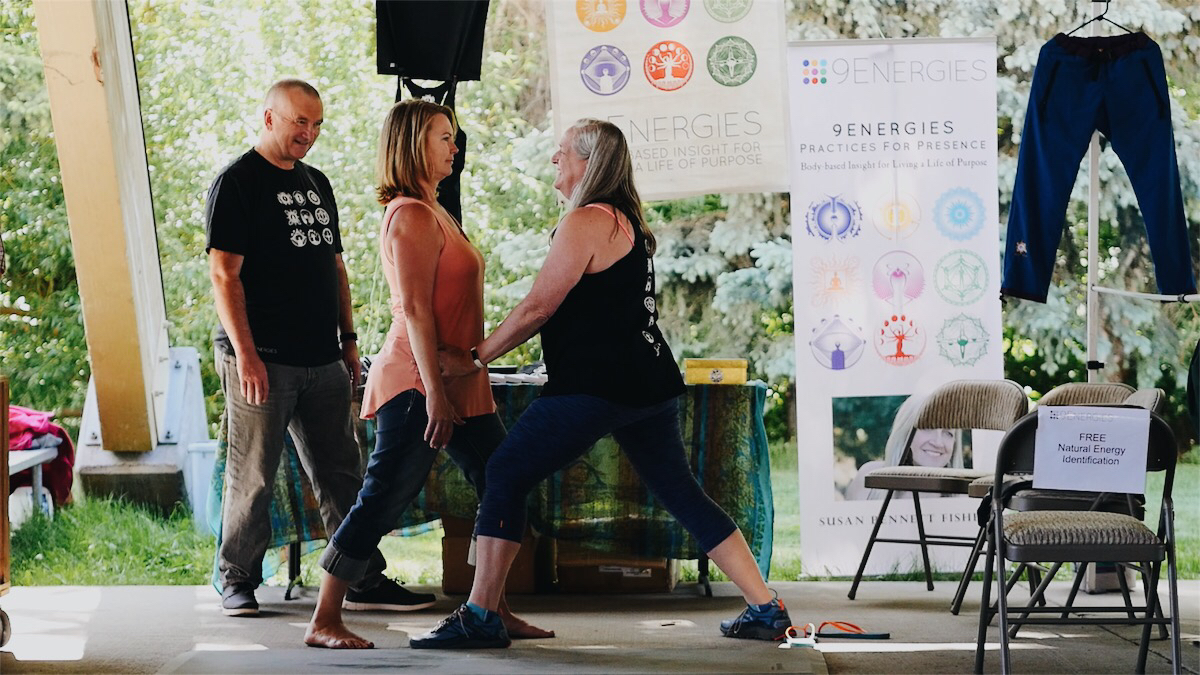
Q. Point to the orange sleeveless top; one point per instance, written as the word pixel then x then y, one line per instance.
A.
pixel 458 319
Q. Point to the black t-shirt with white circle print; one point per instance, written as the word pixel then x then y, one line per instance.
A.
pixel 285 225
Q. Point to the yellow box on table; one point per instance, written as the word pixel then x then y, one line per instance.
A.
pixel 714 371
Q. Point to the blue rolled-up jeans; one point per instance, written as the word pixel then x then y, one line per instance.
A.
pixel 556 430
pixel 396 472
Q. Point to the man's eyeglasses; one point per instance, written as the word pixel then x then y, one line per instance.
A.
pixel 315 127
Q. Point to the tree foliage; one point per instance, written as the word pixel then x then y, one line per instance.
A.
pixel 43 352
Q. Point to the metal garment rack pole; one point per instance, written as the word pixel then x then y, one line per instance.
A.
pixel 1094 290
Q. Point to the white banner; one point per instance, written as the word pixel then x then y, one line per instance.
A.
pixel 895 240
pixel 1091 449
pixel 697 87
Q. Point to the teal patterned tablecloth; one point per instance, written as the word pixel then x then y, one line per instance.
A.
pixel 598 500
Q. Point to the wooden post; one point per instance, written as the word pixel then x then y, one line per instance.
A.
pixel 88 55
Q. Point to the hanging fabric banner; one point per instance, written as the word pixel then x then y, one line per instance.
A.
pixel 895 243
pixel 696 85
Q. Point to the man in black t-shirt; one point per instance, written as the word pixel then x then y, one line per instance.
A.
pixel 285 347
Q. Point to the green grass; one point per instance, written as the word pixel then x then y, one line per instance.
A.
pixel 105 542
pixel 101 542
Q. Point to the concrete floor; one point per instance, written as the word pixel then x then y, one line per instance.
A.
pixel 164 629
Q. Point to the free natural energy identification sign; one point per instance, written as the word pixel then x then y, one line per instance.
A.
pixel 1091 448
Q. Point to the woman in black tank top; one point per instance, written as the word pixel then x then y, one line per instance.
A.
pixel 610 372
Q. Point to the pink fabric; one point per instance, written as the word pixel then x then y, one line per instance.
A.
pixel 24 424
pixel 57 474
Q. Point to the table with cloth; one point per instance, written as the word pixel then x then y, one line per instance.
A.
pixel 597 500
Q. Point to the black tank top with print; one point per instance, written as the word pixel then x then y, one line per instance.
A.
pixel 604 339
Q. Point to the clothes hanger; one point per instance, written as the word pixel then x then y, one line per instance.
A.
pixel 1101 17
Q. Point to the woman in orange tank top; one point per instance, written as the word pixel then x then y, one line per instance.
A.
pixel 435 278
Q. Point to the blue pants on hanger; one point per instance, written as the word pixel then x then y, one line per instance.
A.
pixel 1115 85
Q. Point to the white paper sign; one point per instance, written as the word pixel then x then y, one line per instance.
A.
pixel 1091 449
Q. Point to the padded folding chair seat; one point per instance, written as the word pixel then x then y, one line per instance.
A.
pixel 981 487
pixel 1094 536
pixel 924 479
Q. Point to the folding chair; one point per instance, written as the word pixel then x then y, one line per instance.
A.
pixel 962 404
pixel 1041 536
pixel 1070 393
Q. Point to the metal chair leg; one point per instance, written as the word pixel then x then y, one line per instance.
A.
pixel 985 609
pixel 870 544
pixel 1173 591
pixel 968 571
pixel 921 537
pixel 1124 585
pixel 1151 603
pixel 1002 604
pixel 1075 588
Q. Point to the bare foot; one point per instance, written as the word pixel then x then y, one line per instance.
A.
pixel 518 629
pixel 335 636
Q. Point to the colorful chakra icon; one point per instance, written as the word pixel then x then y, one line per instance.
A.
pixel 837 343
pixel 898 277
pixel 962 340
pixel 834 218
pixel 665 13
pixel 900 341
pixel 897 217
pixel 668 65
pixel 605 70
pixel 732 61
pixel 959 213
pixel 833 280
pixel 600 16
pixel 961 277
pixel 728 11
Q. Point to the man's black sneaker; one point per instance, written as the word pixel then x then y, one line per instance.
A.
pixel 238 600
pixel 752 624
pixel 463 630
pixel 387 596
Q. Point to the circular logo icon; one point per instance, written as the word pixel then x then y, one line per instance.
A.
pixel 962 340
pixel 327 235
pixel 299 239
pixel 600 15
pixel 897 216
pixel 959 213
pixel 728 11
pixel 837 343
pixel 897 278
pixel 605 70
pixel 322 216
pixel 732 61
pixel 834 218
pixel 899 341
pixel 298 198
pixel 668 65
pixel 314 237
pixel 665 13
pixel 284 198
pixel 313 198
pixel 306 217
pixel 961 277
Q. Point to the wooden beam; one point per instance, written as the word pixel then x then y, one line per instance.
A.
pixel 87 52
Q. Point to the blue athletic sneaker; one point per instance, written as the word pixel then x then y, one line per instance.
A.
pixel 462 630
pixel 753 624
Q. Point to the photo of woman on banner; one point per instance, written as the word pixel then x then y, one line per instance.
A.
pixel 933 448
